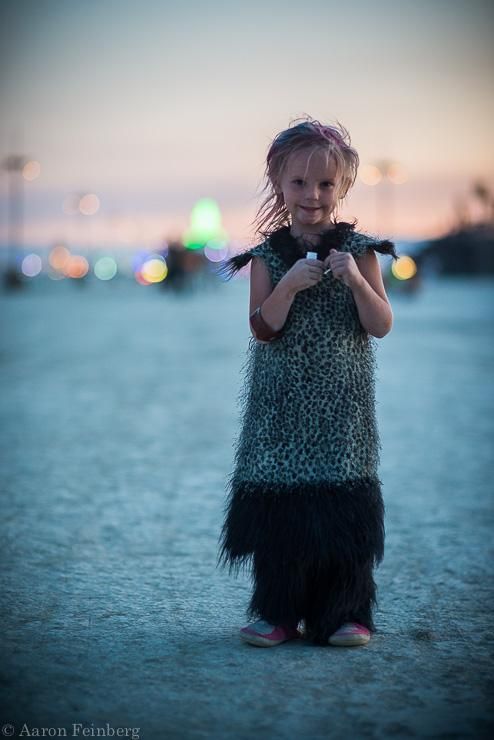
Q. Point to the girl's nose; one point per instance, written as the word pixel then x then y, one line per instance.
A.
pixel 312 191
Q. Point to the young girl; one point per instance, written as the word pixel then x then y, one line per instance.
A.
pixel 305 502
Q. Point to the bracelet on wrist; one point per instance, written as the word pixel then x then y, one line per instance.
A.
pixel 262 330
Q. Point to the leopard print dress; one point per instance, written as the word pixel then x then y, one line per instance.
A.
pixel 304 499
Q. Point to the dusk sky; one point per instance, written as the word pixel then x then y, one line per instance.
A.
pixel 151 105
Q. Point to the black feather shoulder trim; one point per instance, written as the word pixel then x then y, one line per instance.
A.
pixel 289 248
pixel 231 266
pixel 386 247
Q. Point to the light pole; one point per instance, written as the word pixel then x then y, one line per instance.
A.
pixel 18 168
pixel 14 165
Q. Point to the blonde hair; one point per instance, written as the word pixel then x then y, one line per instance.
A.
pixel 311 134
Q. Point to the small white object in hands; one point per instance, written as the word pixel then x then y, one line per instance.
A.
pixel 313 256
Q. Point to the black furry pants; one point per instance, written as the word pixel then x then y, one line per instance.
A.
pixel 312 548
pixel 324 596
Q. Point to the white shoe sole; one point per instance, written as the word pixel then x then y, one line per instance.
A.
pixel 260 641
pixel 349 640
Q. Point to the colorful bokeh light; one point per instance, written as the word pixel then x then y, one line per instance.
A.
pixel 76 267
pixel 216 250
pixel 59 257
pixel 154 270
pixel 105 268
pixel 89 204
pixel 31 265
pixel 31 170
pixel 404 268
pixel 370 174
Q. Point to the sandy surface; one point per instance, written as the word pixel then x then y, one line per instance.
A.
pixel 118 414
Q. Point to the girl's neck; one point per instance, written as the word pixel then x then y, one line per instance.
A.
pixel 306 237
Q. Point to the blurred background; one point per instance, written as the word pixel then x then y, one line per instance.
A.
pixel 132 144
pixel 129 128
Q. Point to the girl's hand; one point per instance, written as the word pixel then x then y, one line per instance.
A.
pixel 303 274
pixel 343 267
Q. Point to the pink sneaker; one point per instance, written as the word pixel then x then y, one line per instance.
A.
pixel 263 634
pixel 350 633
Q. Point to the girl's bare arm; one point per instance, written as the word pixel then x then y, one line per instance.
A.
pixel 275 302
pixel 374 309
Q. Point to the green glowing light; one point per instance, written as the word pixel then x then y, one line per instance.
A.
pixel 205 225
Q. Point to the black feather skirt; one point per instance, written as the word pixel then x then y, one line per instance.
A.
pixel 313 548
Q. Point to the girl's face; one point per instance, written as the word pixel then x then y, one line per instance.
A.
pixel 308 185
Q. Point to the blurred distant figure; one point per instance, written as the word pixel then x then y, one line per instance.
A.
pixel 184 267
pixel 175 262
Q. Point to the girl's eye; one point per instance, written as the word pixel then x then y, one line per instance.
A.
pixel 327 184
pixel 298 181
